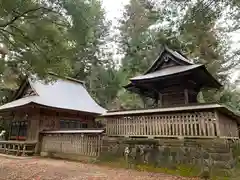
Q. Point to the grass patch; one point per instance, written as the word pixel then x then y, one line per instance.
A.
pixel 176 170
pixel 179 170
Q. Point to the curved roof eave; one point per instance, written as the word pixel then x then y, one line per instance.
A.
pixel 31 100
pixel 166 72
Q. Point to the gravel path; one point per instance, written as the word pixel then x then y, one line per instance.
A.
pixel 50 169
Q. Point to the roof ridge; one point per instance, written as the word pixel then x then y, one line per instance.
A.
pixel 178 54
pixel 67 78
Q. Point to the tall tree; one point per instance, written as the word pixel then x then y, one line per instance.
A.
pixel 136 44
pixel 188 26
pixel 35 34
pixel 60 36
pixel 135 36
pixel 91 61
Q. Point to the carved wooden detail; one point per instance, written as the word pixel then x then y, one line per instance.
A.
pixel 29 92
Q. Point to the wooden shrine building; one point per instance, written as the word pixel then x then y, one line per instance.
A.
pixel 40 110
pixel 174 82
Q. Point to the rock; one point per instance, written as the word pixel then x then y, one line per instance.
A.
pixel 44 154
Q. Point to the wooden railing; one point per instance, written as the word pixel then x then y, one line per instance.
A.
pixel 18 147
pixel 77 144
pixel 203 123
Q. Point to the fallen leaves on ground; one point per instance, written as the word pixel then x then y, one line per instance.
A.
pixel 50 169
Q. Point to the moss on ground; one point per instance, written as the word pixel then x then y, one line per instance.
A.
pixel 177 170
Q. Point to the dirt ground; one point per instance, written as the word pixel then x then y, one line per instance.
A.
pixel 50 169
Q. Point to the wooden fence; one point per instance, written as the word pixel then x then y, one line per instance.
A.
pixel 204 124
pixel 18 147
pixel 78 144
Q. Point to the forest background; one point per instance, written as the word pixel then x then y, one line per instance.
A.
pixel 75 38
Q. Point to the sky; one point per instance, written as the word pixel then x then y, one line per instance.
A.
pixel 114 9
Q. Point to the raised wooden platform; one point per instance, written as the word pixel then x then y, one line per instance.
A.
pixel 18 148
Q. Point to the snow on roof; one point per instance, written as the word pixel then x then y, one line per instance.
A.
pixel 62 93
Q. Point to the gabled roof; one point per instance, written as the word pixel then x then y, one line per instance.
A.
pixel 177 57
pixel 64 93
pixel 179 65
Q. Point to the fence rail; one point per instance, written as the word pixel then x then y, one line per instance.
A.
pixel 17 147
pixel 204 124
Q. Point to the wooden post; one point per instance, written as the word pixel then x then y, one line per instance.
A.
pixel 156 100
pixel 7 147
pixel 217 123
pixel 24 149
pixel 160 101
pixel 18 150
pixel 186 96
pixel 38 146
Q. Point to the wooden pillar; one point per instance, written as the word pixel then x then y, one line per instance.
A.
pixel 217 123
pixel 186 96
pixel 9 130
pixel 35 128
pixel 156 100
pixel 160 101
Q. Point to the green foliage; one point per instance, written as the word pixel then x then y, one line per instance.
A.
pixel 188 26
pixel 69 37
pixel 36 35
pixel 63 37
pixel 136 39
pixel 104 84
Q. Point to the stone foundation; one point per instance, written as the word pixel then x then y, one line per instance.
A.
pixel 73 157
pixel 170 152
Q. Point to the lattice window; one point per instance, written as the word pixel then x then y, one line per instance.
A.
pixel 19 130
pixel 72 124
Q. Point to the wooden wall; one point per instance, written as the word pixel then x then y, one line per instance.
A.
pixel 50 120
pixel 228 127
pixel 177 96
pixel 76 144
pixel 45 119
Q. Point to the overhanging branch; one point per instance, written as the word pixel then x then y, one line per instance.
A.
pixel 15 18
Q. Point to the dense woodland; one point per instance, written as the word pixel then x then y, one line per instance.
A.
pixel 74 38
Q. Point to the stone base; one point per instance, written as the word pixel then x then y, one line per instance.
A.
pixel 15 157
pixel 44 154
pixel 166 152
pixel 73 157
